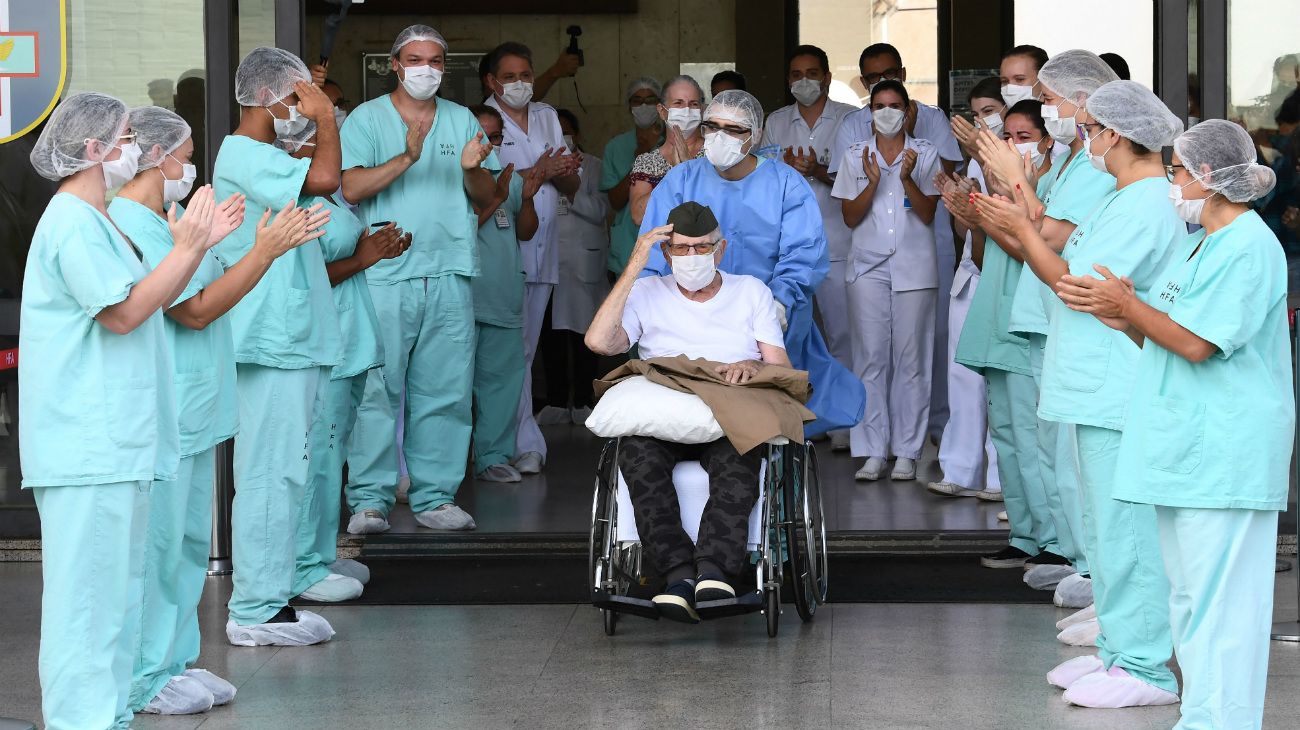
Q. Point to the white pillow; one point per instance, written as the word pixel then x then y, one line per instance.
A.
pixel 638 407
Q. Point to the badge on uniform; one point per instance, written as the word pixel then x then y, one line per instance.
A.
pixel 502 218
pixel 563 207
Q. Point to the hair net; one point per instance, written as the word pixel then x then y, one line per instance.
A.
pixel 1136 113
pixel 60 151
pixel 157 127
pixel 1075 74
pixel 737 106
pixel 415 33
pixel 645 82
pixel 1229 152
pixel 267 75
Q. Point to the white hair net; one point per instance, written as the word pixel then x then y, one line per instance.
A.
pixel 159 132
pixel 1229 152
pixel 60 151
pixel 1136 113
pixel 1075 74
pixel 645 82
pixel 415 33
pixel 739 107
pixel 267 75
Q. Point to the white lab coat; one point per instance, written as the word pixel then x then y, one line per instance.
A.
pixel 584 252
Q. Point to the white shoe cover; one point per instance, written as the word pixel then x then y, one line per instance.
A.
pixel 553 416
pixel 180 696
pixel 529 463
pixel 309 629
pixel 222 691
pixel 367 522
pixel 352 569
pixel 904 470
pixel 872 470
pixel 1084 633
pixel 333 588
pixel 446 517
pixel 404 489
pixel 1073 592
pixel 1114 689
pixel 1047 577
pixel 1087 613
pixel 1072 670
pixel 1002 517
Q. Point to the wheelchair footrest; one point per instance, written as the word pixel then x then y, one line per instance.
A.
pixel 625 604
pixel 741 604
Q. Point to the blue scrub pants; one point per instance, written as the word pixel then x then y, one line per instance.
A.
pixel 175 567
pixel 1013 426
pixel 318 517
pixel 272 457
pixel 1220 564
pixel 498 381
pixel 1128 581
pixel 92 563
pixel 427 326
pixel 1059 467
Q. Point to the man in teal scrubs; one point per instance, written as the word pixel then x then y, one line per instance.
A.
pixel 417 161
pixel 616 166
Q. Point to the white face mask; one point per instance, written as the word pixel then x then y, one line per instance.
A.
pixel 1015 93
pixel 1098 161
pixel 1061 130
pixel 291 126
pixel 1188 210
pixel 994 123
pixel 888 121
pixel 1031 148
pixel 694 272
pixel 120 171
pixel 517 94
pixel 685 118
pixel 723 151
pixel 569 146
pixel 176 190
pixel 339 116
pixel 421 82
pixel 645 115
pixel 806 91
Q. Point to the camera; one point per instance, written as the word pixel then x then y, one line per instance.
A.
pixel 574 31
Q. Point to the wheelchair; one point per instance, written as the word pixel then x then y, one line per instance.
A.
pixel 786 532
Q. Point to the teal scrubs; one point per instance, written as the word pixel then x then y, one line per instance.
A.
pixel 318 523
pixel 425 310
pixel 1088 373
pixel 1209 444
pixel 499 321
pixel 96 428
pixel 180 511
pixel 286 341
pixel 616 164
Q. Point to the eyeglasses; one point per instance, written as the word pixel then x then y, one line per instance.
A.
pixel 497 138
pixel 1169 171
pixel 643 100
pixel 1086 126
pixel 684 249
pixel 889 73
pixel 733 131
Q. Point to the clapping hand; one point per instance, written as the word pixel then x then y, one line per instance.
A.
pixel 193 231
pixel 871 167
pixel 804 163
pixel 229 215
pixel 1107 298
pixel 476 150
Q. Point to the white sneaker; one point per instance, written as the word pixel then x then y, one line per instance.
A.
pixel 367 522
pixel 949 489
pixel 1072 670
pixel 309 629
pixel 503 473
pixel 446 517
pixel 1084 633
pixel 579 416
pixel 180 696
pixel 1002 516
pixel 1078 617
pixel 839 440
pixel 529 463
pixel 222 691
pixel 333 588
pixel 872 470
pixel 553 416
pixel 352 569
pixel 404 489
pixel 1116 688
pixel 1073 592
pixel 990 495
pixel 904 470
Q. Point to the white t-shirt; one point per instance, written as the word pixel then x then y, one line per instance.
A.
pixel 662 322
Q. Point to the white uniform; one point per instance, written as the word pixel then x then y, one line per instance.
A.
pixel 540 254
pixel 893 280
pixel 584 252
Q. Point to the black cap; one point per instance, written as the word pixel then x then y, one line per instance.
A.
pixel 692 220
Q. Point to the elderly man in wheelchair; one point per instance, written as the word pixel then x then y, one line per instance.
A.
pixel 697 312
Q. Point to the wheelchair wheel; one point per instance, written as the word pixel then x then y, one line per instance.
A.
pixel 610 620
pixel 805 530
pixel 774 542
pixel 602 547
pixel 817 526
pixel 773 611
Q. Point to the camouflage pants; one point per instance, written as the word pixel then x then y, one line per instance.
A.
pixel 647 465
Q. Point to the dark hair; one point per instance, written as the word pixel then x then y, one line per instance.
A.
pixel 807 50
pixel 1033 53
pixel 509 48
pixel 1289 112
pixel 989 88
pixel 483 110
pixel 1031 110
pixel 879 49
pixel 332 82
pixel 733 77
pixel 1138 149
pixel 891 85
pixel 569 117
pixel 1117 64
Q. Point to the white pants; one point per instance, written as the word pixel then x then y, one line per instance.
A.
pixel 946 256
pixel 893 354
pixel 528 436
pixel 966 453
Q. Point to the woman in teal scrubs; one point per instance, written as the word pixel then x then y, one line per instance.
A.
pixel 97 417
pixel 1208 438
pixel 1087 381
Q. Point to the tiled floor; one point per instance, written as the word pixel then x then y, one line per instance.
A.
pixel 894 667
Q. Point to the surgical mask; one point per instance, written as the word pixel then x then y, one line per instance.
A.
pixel 685 119
pixel 1061 130
pixel 176 190
pixel 645 115
pixel 695 272
pixel 1188 210
pixel 994 123
pixel 1098 161
pixel 422 82
pixel 1030 148
pixel 120 171
pixel 517 94
pixel 806 91
pixel 723 151
pixel 1015 93
pixel 339 116
pixel 569 145
pixel 291 126
pixel 888 121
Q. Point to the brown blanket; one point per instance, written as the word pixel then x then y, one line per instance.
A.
pixel 771 404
